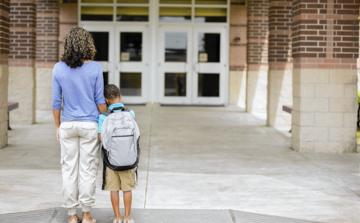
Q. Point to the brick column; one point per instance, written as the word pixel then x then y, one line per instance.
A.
pixel 47 34
pixel 238 40
pixel 68 19
pixel 22 60
pixel 325 49
pixel 280 63
pixel 257 57
pixel 4 72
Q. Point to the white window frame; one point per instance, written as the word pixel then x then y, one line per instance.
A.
pixel 152 80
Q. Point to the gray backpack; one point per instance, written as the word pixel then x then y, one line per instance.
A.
pixel 120 139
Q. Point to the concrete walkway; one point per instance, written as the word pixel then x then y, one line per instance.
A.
pixel 58 215
pixel 196 158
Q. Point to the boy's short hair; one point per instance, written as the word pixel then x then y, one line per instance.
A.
pixel 111 91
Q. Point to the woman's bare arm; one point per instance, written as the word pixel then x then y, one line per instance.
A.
pixel 56 114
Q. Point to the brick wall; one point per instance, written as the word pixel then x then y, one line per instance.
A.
pixel 280 19
pixel 257 57
pixel 280 63
pixel 4 30
pixel 47 31
pixel 258 31
pixel 22 60
pixel 325 49
pixel 326 32
pixel 4 72
pixel 22 32
pixel 68 18
pixel 238 40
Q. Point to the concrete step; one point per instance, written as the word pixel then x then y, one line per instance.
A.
pixel 58 215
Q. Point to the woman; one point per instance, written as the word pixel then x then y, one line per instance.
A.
pixel 77 91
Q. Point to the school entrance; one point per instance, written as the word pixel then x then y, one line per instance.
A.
pixel 166 51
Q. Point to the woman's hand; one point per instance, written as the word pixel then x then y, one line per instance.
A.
pixel 58 134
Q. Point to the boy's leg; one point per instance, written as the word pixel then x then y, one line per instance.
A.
pixel 127 203
pixel 114 195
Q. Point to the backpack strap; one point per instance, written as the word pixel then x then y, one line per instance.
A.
pixel 119 109
pixel 106 113
pixel 104 169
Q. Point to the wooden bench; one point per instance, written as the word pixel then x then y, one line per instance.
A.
pixel 287 108
pixel 11 106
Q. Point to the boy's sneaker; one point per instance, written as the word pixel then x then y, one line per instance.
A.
pixel 117 221
pixel 129 220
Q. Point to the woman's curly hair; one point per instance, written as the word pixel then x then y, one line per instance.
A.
pixel 78 46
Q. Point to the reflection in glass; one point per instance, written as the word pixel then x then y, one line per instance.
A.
pixel 130 46
pixel 187 2
pixel 209 47
pixel 91 13
pixel 106 78
pixel 211 2
pixel 174 14
pixel 130 83
pixel 175 46
pixel 175 84
pixel 101 41
pixel 208 85
pixel 210 15
pixel 97 1
pixel 133 1
pixel 132 14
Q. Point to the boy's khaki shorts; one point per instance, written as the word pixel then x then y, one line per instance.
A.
pixel 120 180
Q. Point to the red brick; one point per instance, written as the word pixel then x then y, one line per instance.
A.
pixel 22 29
pixel 258 31
pixel 335 35
pixel 47 31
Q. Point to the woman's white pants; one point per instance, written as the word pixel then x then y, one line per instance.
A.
pixel 79 164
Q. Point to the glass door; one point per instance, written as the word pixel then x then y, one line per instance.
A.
pixel 103 40
pixel 175 65
pixel 210 67
pixel 192 65
pixel 132 64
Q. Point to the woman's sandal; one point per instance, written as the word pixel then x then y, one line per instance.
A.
pixel 74 219
pixel 91 221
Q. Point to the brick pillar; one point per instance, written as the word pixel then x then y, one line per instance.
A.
pixel 280 63
pixel 22 60
pixel 68 19
pixel 4 71
pixel 238 24
pixel 325 49
pixel 47 34
pixel 257 57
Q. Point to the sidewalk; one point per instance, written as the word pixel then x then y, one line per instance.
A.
pixel 196 158
pixel 58 215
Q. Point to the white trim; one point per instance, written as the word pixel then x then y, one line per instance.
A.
pixel 152 83
pixel 170 67
pixel 140 66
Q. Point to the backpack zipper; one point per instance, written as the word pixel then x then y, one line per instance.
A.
pixel 122 136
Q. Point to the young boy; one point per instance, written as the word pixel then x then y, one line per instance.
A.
pixel 116 181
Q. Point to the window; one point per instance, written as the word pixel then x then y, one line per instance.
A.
pixel 175 84
pixel 175 14
pixel 130 83
pixel 200 11
pixel 118 10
